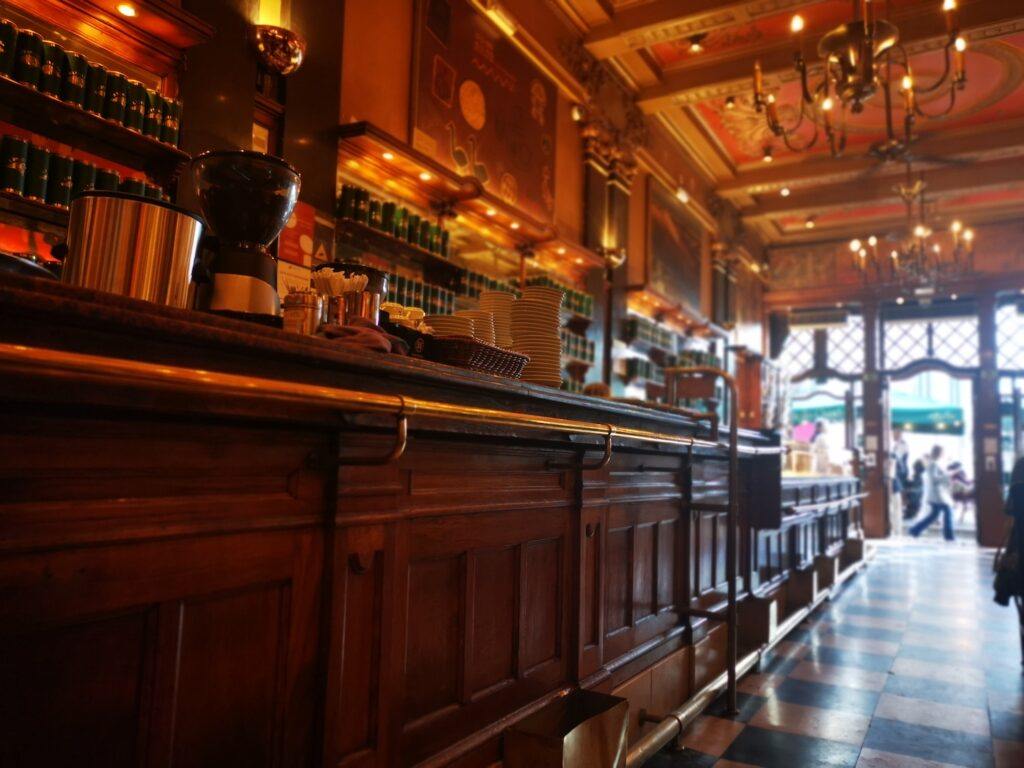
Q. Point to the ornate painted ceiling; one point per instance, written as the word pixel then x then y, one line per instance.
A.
pixel 685 58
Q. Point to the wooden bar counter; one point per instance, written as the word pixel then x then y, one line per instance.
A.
pixel 196 568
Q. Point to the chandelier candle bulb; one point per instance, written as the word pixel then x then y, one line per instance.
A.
pixel 958 59
pixel 758 83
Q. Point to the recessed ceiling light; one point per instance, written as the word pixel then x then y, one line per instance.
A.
pixel 514 225
pixel 491 212
pixel 900 299
pixel 810 223
pixel 127 9
pixel 730 102
pixel 784 191
pixel 767 157
pixel 796 24
pixel 953 296
pixel 682 195
pixel 561 251
pixel 695 42
pixel 424 176
pixel 389 156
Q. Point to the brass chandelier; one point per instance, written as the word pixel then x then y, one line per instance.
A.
pixel 918 258
pixel 861 58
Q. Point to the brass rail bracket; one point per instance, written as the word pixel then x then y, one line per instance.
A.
pixel 397 450
pixel 599 464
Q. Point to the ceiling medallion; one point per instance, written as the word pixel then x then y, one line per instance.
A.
pixel 861 59
pixel 920 256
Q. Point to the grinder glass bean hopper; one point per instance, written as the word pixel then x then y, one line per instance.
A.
pixel 246 198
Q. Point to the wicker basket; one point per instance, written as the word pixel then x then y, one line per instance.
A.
pixel 467 352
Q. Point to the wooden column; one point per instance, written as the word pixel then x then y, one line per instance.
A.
pixel 987 469
pixel 876 513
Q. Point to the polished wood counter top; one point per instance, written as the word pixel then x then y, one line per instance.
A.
pixel 48 314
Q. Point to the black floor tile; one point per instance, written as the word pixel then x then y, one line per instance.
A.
pixel 747 703
pixel 928 743
pixel 877 613
pixel 841 657
pixel 933 690
pixel 686 758
pixel 826 696
pixel 1007 725
pixel 939 656
pixel 869 633
pixel 775 749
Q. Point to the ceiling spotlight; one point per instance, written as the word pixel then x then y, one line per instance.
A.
pixel 767 154
pixel 514 225
pixel 730 102
pixel 810 223
pixel 949 5
pixel 682 195
pixel 900 299
pixel 561 251
pixel 491 212
pixel 784 191
pixel 424 176
pixel 389 156
pixel 796 24
pixel 695 42
pixel 127 9
pixel 953 296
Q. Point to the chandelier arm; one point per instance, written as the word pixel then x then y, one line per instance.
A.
pixel 801 67
pixel 945 71
pixel 800 147
pixel 944 112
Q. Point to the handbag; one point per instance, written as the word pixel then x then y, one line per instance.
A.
pixel 1006 566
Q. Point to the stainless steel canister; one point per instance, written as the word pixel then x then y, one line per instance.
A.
pixel 133 246
pixel 302 312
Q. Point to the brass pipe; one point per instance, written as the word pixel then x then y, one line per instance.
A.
pixel 675 722
pixel 59 364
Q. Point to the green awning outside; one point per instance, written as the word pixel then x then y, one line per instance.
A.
pixel 909 412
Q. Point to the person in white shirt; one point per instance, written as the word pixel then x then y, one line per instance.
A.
pixel 936 494
pixel 819 449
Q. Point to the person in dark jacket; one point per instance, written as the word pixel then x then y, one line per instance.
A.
pixel 1009 582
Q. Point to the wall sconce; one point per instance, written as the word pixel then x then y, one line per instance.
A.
pixel 279 50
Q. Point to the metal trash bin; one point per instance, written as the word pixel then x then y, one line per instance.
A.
pixel 581 730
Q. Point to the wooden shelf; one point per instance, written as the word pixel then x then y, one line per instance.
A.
pixel 436 269
pixel 154 40
pixel 50 117
pixel 23 208
pixel 384 160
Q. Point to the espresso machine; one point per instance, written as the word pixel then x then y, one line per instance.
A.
pixel 246 198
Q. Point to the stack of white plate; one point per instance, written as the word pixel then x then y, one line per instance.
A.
pixel 535 324
pixel 499 304
pixel 483 324
pixel 449 325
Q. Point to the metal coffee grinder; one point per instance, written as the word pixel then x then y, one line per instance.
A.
pixel 246 198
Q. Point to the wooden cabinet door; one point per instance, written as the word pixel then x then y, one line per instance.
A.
pixel 159 594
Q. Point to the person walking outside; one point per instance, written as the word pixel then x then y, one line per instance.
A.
pixel 936 494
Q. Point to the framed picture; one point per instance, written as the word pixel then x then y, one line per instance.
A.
pixel 481 107
pixel 674 262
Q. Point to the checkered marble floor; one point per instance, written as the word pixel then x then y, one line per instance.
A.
pixel 912 665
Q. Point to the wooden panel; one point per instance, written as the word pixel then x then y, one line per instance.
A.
pixel 709 657
pixel 670 681
pixel 644 574
pixel 541 602
pixel 73 693
pixel 431 659
pixel 618 579
pixel 493 620
pixel 232 659
pixel 637 692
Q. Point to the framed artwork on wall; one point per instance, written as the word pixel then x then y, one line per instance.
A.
pixel 673 264
pixel 481 107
